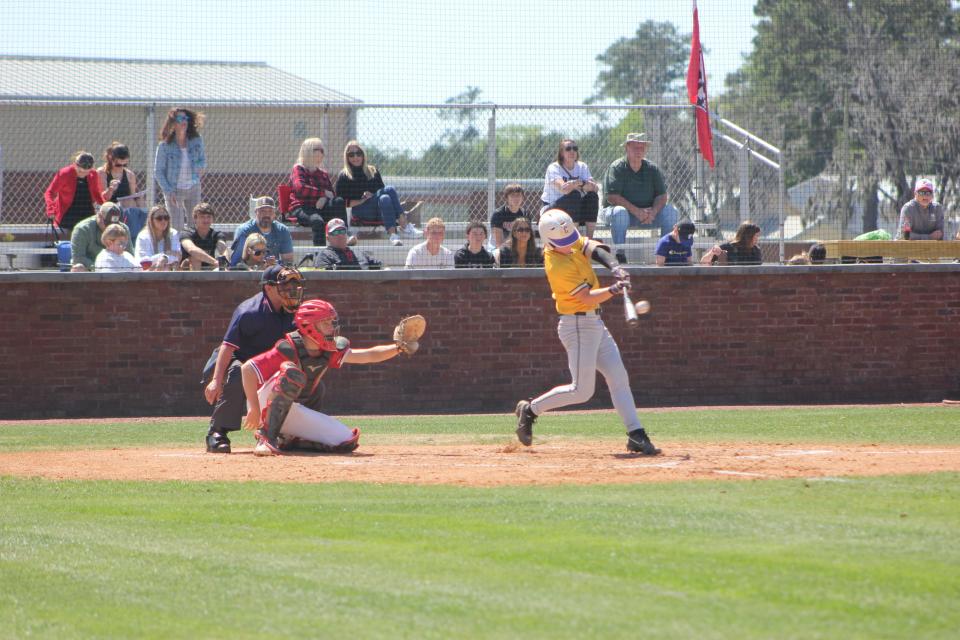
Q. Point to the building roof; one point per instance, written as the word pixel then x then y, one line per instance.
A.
pixel 60 78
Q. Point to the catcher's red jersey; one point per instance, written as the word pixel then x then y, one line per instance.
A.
pixel 268 363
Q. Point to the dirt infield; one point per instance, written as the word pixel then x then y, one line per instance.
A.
pixel 487 465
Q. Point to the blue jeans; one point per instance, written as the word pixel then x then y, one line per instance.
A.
pixel 619 220
pixel 135 218
pixel 384 205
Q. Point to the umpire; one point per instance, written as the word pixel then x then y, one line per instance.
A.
pixel 256 325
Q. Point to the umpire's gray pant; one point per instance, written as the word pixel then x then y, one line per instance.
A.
pixel 590 348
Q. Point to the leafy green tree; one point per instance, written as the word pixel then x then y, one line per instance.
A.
pixel 859 88
pixel 645 67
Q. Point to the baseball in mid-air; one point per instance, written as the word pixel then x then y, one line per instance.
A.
pixel 642 307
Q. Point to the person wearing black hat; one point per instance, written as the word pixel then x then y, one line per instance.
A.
pixel 73 192
pixel 256 325
pixel 676 248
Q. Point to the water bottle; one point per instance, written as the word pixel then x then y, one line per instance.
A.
pixel 906 230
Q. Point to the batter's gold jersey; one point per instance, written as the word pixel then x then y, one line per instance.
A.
pixel 569 273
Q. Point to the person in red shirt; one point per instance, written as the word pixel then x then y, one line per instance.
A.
pixel 293 370
pixel 73 192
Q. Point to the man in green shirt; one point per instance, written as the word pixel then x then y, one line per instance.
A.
pixel 85 240
pixel 635 195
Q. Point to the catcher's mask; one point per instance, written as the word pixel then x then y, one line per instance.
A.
pixel 557 228
pixel 289 284
pixel 308 317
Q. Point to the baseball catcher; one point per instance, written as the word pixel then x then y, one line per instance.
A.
pixel 277 381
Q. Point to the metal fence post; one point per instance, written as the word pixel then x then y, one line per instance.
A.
pixel 491 161
pixel 150 131
pixel 745 182
pixel 781 187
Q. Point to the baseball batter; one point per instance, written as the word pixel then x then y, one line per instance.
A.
pixel 293 369
pixel 589 345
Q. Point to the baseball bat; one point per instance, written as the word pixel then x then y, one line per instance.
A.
pixel 629 311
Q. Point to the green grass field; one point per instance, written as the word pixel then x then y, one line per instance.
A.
pixel 831 558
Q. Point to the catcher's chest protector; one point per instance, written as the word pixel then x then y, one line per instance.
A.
pixel 313 367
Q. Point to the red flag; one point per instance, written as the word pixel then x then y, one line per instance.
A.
pixel 697 91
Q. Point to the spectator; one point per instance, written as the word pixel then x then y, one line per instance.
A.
pixel 569 186
pixel 87 238
pixel 743 249
pixel 279 240
pixel 119 185
pixel 802 258
pixel 431 254
pixel 72 193
pixel 817 253
pixel 473 253
pixel 254 255
pixel 114 257
pixel 635 195
pixel 180 162
pixel 158 245
pixel 337 255
pixel 676 248
pixel 361 187
pixel 503 218
pixel 521 250
pixel 203 247
pixel 312 201
pixel 921 218
pixel 257 323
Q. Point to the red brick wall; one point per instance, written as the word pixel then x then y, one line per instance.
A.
pixel 96 345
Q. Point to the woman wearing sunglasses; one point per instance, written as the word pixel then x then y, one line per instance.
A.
pixel 254 257
pixel 520 249
pixel 72 192
pixel 158 244
pixel 569 186
pixel 361 187
pixel 312 201
pixel 180 162
pixel 119 183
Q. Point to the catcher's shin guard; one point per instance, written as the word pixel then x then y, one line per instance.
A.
pixel 286 389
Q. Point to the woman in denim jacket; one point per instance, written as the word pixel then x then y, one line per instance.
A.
pixel 180 163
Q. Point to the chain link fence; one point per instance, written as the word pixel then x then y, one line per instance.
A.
pixel 453 159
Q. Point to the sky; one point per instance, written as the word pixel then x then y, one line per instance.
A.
pixel 521 52
pixel 400 51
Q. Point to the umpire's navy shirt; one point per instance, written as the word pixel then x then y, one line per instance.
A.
pixel 256 326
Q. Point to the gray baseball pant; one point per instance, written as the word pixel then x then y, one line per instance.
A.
pixel 590 348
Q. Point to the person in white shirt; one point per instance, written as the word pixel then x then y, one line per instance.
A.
pixel 114 257
pixel 431 254
pixel 158 244
pixel 568 185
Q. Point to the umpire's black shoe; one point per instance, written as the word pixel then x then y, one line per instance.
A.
pixel 218 443
pixel 639 442
pixel 525 419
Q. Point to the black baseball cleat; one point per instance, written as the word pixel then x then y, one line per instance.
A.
pixel 525 419
pixel 639 442
pixel 218 443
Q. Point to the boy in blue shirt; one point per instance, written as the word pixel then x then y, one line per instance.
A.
pixel 676 248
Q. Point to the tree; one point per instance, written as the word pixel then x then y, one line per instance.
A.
pixel 645 67
pixel 866 89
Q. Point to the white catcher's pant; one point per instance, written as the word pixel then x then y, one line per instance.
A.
pixel 308 424
pixel 590 348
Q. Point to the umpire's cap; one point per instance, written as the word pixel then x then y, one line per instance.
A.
pixel 278 274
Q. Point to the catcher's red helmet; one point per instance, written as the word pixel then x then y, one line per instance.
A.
pixel 309 314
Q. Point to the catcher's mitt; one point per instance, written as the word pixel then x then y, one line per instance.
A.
pixel 407 334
